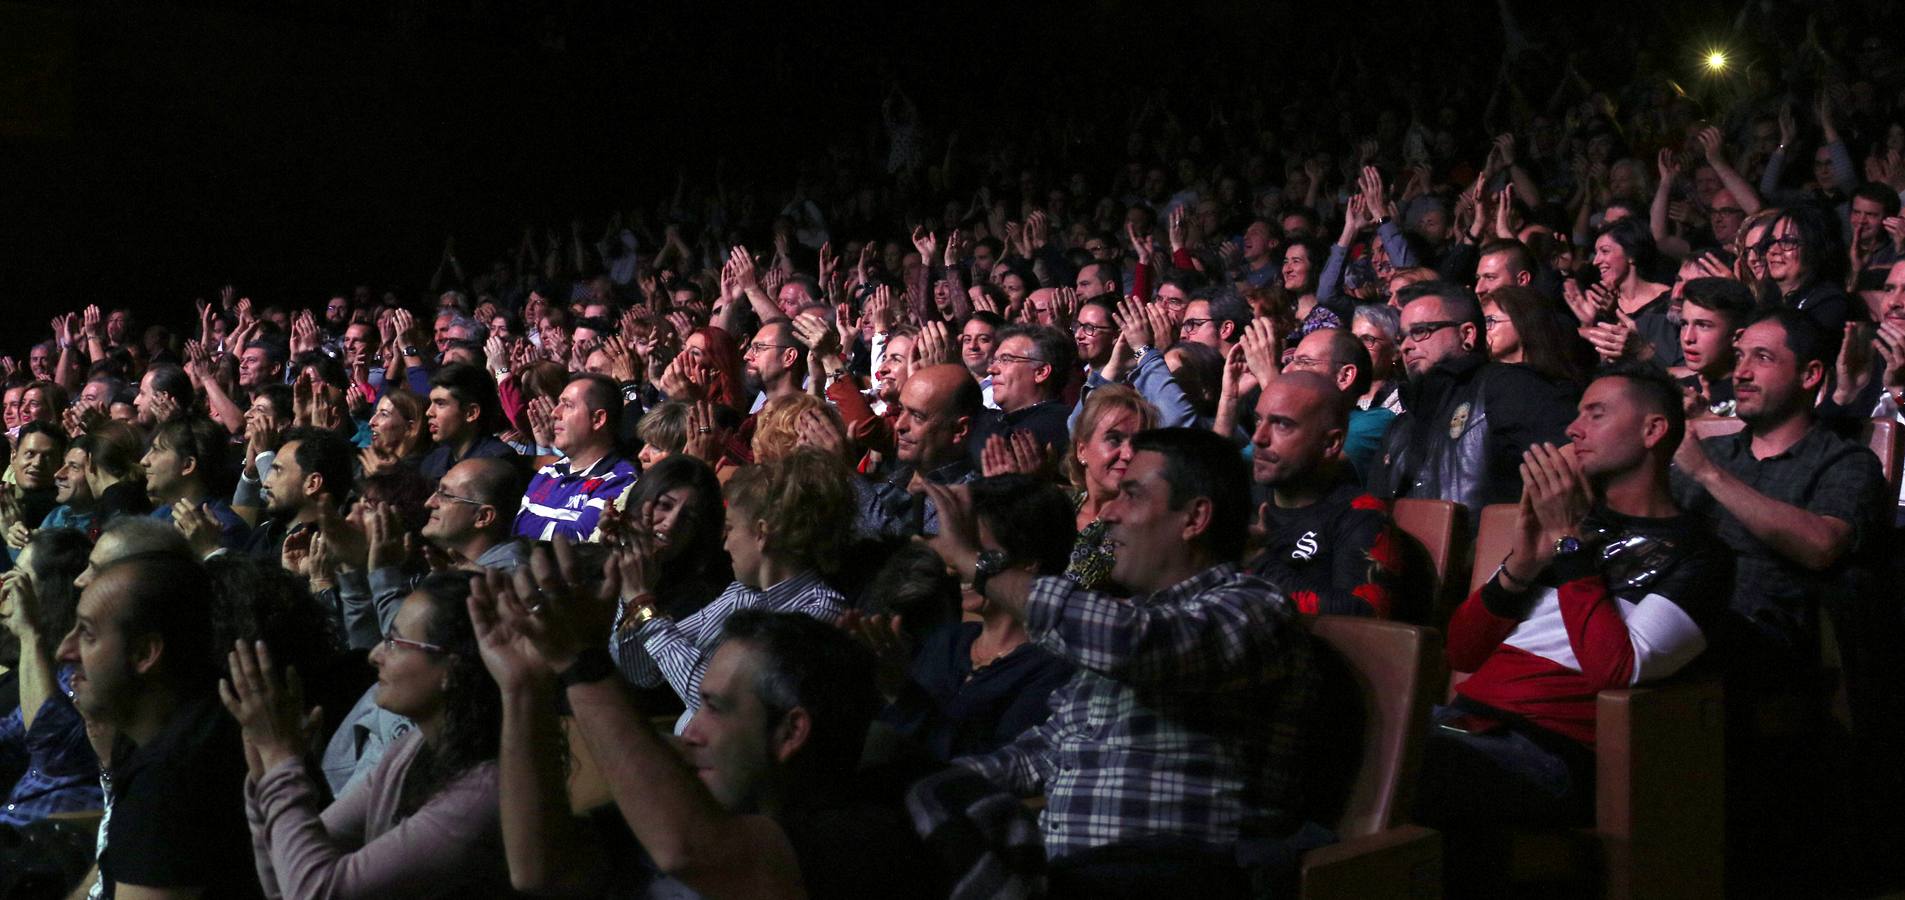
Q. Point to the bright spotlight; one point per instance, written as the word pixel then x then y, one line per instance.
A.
pixel 1716 61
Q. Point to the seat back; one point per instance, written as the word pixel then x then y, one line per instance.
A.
pixel 1887 440
pixel 1660 791
pixel 1436 526
pixel 1492 541
pixel 1393 673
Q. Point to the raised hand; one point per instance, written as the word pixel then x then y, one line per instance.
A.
pixel 813 431
pixel 304 333
pixel 1064 306
pixel 742 262
pixel 1177 230
pixel 1140 244
pixel 269 707
pixel 1263 350
pixel 542 421
pixel 1134 324
pixel 933 347
pixel 704 443
pixel 891 649
pixel 94 326
pixel 926 244
pixel 1712 144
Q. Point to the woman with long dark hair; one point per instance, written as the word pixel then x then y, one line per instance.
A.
pixel 677 504
pixel 425 822
pixel 1805 267
pixel 1524 327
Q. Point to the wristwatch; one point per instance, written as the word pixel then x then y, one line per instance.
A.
pixel 411 351
pixel 591 665
pixel 989 563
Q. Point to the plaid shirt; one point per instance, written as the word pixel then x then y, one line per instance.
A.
pixel 1185 717
pixel 61 775
pixel 678 651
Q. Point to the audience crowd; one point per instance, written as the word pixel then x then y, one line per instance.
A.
pixel 953 522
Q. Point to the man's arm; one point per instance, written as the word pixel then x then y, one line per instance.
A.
pixel 1809 539
pixel 684 829
pixel 123 891
pixel 547 849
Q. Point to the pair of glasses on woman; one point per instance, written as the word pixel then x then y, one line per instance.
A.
pixel 392 641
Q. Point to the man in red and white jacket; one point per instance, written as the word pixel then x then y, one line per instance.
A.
pixel 1608 585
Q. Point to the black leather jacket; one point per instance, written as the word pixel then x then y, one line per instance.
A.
pixel 1468 422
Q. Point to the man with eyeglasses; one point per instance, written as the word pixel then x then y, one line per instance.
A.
pixel 1468 420
pixel 1216 323
pixel 1339 357
pixel 1094 333
pixel 773 363
pixel 470 517
pixel 1029 372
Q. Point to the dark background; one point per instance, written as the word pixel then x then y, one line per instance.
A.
pixel 150 152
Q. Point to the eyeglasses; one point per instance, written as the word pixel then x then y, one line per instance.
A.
pixel 1492 321
pixel 767 348
pixel 442 494
pixel 1305 363
pixel 1193 324
pixel 392 642
pixel 1088 328
pixel 1423 331
pixel 1371 341
pixel 1015 358
pixel 1782 245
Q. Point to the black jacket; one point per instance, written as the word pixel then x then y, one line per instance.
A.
pixel 1468 422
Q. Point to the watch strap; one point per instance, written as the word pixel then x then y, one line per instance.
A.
pixel 591 665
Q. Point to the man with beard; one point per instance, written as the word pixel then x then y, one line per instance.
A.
pixel 310 471
pixel 1327 543
pixel 774 361
pixel 1798 504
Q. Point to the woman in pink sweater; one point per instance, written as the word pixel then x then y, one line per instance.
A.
pixel 424 823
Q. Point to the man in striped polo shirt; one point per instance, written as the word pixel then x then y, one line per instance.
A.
pixel 566 497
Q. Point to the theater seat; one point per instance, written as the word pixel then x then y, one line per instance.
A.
pixel 1659 805
pixel 1393 672
pixel 1437 527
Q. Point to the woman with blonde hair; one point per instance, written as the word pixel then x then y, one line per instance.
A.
pixel 1100 453
pixel 399 433
pixel 796 422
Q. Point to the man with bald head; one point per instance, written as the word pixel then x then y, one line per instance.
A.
pixel 1341 358
pixel 1328 544
pixel 938 406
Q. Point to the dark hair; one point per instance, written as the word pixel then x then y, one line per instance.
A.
pixel 113 383
pixel 469 384
pixel 275 351
pixel 207 443
pixel 705 556
pixel 1808 342
pixel 281 398
pixel 39 426
pixel 991 319
pixel 1521 259
pixel 603 394
pixel 1318 253
pixel 1200 374
pixel 1549 345
pixel 59 555
pixel 1347 350
pixel 1199 463
pixel 1227 307
pixel 1880 193
pixel 809 664
pixel 1635 241
pixel 165 594
pixel 915 585
pixel 1108 272
pixel 404 489
pixel 1052 345
pixel 1819 254
pixel 472 704
pixel 255 601
pixel 327 454
pixel 1653 388
pixel 1458 300
pixel 499 483
pixel 1731 299
pixel 1031 518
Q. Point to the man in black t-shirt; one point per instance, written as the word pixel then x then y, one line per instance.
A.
pixel 144 668
pixel 1326 542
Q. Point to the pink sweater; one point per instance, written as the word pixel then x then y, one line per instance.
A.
pixel 356 847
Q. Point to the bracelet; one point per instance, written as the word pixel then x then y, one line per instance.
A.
pixel 1509 580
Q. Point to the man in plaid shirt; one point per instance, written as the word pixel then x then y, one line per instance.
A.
pixel 1179 736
